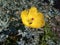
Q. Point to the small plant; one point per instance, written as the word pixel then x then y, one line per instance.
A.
pixel 48 38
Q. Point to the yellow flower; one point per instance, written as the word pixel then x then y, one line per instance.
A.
pixel 32 18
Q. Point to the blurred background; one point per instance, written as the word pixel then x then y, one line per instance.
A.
pixel 12 30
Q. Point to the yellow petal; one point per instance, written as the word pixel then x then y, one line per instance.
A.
pixel 32 11
pixel 32 18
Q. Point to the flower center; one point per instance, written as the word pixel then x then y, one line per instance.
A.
pixel 32 18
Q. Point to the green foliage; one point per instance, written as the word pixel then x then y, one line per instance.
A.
pixel 48 35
